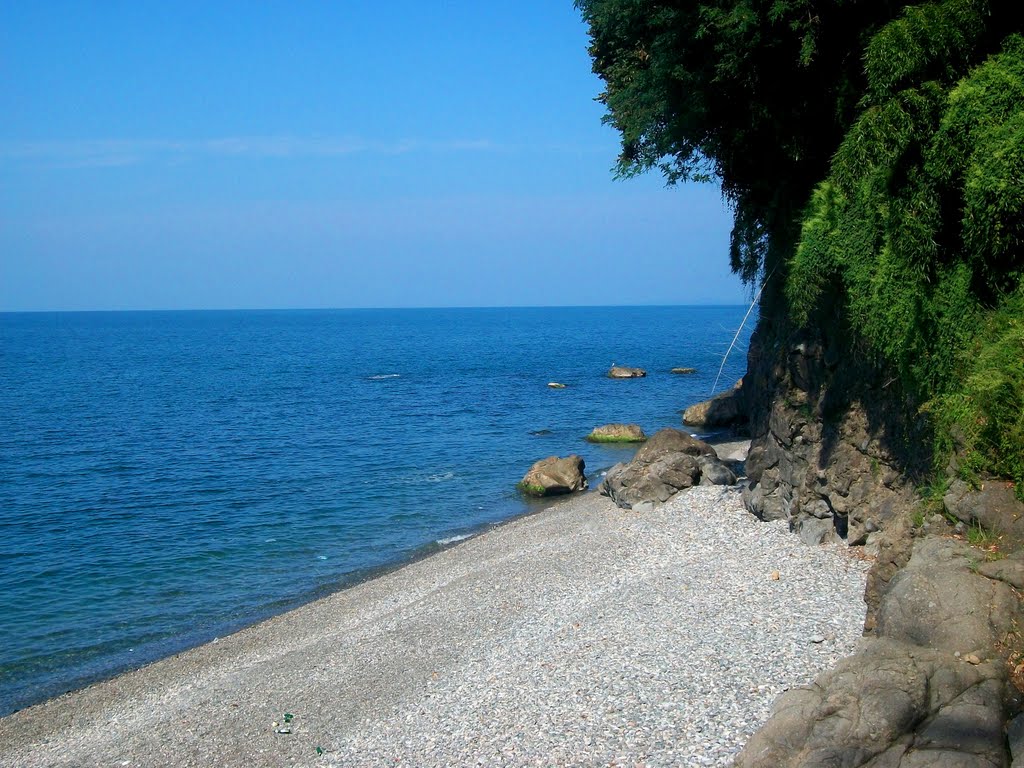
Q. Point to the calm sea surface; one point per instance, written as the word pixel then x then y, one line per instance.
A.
pixel 168 477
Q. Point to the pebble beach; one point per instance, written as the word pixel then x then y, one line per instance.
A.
pixel 580 635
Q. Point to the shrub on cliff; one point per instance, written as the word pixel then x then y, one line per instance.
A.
pixel 915 234
pixel 873 154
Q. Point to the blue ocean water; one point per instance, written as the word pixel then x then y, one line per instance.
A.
pixel 168 477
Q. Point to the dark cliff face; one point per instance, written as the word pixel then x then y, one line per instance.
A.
pixel 836 448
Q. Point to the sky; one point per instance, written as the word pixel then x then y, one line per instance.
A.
pixel 353 153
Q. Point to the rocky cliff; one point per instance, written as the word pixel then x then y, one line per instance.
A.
pixel 838 451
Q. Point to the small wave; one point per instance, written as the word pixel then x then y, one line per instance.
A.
pixel 452 539
pixel 439 477
pixel 382 376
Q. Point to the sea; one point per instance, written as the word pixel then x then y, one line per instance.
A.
pixel 167 478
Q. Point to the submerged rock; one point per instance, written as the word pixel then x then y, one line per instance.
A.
pixel 617 433
pixel 554 475
pixel 624 372
pixel 684 370
pixel 670 461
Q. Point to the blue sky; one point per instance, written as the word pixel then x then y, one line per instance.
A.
pixel 327 154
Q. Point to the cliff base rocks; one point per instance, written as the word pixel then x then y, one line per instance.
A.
pixel 723 410
pixel 931 688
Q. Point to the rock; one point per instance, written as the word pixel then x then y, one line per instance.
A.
pixel 722 410
pixel 938 602
pixel 624 372
pixel 775 576
pixel 817 639
pixel 1015 738
pixel 1007 571
pixel 813 531
pixel 617 433
pixel 556 385
pixel 993 506
pixel 907 698
pixel 666 464
pixel 684 371
pixel 554 475
pixel 713 471
pixel 891 704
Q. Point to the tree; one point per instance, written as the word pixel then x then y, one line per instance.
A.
pixel 873 153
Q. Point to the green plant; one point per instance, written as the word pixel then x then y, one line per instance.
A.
pixel 932 494
pixel 982 419
pixel 917 517
pixel 531 489
pixel 614 439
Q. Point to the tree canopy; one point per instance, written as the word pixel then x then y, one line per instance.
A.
pixel 873 153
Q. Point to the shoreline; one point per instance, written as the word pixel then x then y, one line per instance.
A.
pixel 352 659
pixel 173 646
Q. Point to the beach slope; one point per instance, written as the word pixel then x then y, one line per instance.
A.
pixel 581 635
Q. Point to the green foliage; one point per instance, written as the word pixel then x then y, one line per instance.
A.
pixel 755 93
pixel 982 417
pixel 915 234
pixel 531 489
pixel 873 154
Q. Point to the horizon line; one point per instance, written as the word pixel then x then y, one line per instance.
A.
pixel 362 309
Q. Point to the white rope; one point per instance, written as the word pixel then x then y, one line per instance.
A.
pixel 740 330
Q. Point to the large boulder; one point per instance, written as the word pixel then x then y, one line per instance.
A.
pixel 624 372
pixel 617 433
pixel 930 689
pixel 554 475
pixel 722 410
pixel 670 461
pixel 992 505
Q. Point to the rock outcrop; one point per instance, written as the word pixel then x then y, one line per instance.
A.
pixel 669 462
pixel 617 433
pixel 684 371
pixel 723 410
pixel 624 372
pixel 992 505
pixel 830 446
pixel 931 687
pixel 554 475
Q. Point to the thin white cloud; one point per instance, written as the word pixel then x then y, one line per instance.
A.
pixel 113 152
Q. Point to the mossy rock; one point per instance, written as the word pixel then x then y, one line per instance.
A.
pixel 553 476
pixel 617 433
pixel 530 489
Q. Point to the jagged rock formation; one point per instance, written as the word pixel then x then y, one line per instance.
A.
pixel 835 450
pixel 827 452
